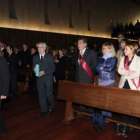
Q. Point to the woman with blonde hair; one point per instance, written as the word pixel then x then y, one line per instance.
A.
pixel 106 68
pixel 107 65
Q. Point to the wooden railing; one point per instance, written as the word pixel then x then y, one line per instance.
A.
pixel 123 101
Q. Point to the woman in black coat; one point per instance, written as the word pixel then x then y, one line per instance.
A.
pixel 60 66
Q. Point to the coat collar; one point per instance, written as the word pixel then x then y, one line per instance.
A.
pixel 133 63
pixel 43 59
pixel 86 52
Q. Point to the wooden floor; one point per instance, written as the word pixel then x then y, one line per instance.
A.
pixel 22 121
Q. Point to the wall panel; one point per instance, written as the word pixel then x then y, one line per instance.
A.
pixel 30 16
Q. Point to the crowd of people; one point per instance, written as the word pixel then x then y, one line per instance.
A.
pixel 81 64
pixel 130 30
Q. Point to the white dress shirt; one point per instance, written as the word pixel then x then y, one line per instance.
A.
pixel 41 55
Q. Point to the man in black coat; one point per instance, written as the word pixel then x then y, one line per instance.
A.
pixel 45 78
pixel 25 55
pixel 4 89
pixel 17 53
pixel 12 64
pixel 70 64
pixel 120 37
pixel 89 58
pixel 32 80
pixel 32 54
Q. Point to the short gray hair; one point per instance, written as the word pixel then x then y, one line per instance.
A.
pixel 41 43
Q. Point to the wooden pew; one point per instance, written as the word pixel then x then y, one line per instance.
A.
pixel 24 83
pixel 117 100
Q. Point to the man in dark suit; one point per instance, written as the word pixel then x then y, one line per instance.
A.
pixel 32 80
pixel 89 57
pixel 70 64
pixel 85 65
pixel 4 89
pixel 120 37
pixel 32 54
pixel 25 55
pixel 17 53
pixel 45 79
pixel 12 64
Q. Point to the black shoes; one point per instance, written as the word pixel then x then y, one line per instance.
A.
pixel 46 113
pixel 42 114
pixel 50 111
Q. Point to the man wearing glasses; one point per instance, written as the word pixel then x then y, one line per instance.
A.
pixel 45 78
pixel 85 65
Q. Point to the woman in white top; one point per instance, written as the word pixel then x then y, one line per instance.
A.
pixel 129 68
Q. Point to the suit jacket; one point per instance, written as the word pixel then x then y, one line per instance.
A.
pixel 125 75
pixel 4 77
pixel 12 63
pixel 30 61
pixel 60 68
pixel 90 58
pixel 5 52
pixel 25 55
pixel 48 66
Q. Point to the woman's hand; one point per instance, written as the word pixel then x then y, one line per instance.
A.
pixel 132 72
pixel 41 73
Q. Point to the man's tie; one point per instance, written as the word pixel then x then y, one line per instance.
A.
pixel 81 54
pixel 41 58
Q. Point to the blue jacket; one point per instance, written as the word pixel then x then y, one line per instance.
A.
pixel 106 68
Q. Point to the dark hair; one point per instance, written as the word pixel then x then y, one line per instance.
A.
pixel 25 44
pixel 125 40
pixel 83 38
pixel 34 48
pixel 11 48
pixel 15 47
pixel 123 35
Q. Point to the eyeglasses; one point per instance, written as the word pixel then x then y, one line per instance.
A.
pixel 80 43
pixel 40 47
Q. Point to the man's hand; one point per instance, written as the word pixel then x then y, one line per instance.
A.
pixel 28 66
pixel 19 63
pixel 56 61
pixel 3 97
pixel 41 73
pixel 34 69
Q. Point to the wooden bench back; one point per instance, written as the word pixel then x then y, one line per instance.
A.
pixel 26 72
pixel 118 100
pixel 23 85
